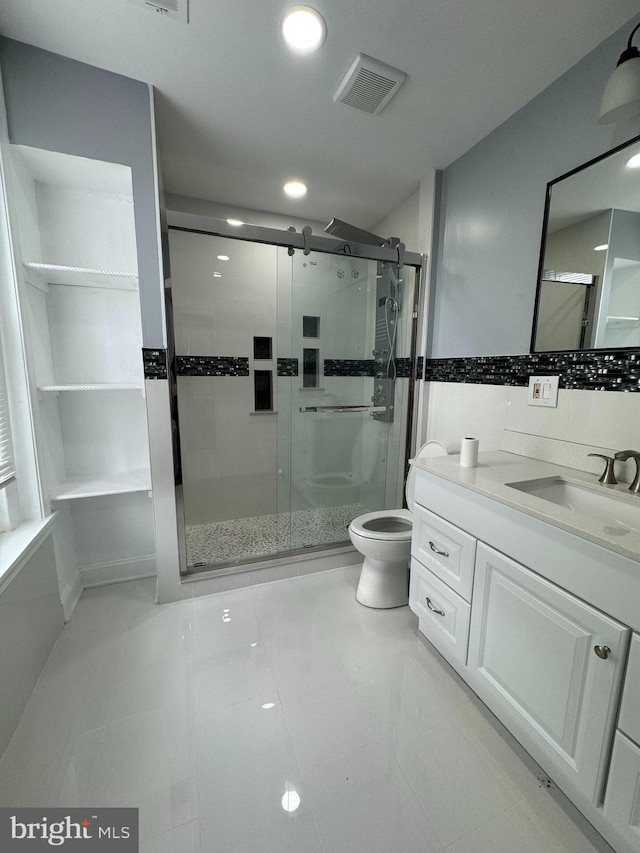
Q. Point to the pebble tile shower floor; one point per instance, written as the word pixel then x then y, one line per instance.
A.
pixel 282 717
pixel 226 541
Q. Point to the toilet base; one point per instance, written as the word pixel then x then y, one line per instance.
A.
pixel 383 583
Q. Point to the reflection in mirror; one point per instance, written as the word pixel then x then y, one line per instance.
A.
pixel 589 283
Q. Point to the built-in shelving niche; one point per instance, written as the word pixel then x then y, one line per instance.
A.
pixel 78 246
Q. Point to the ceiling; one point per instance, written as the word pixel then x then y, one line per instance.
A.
pixel 238 114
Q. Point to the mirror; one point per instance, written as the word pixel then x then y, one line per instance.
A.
pixel 588 293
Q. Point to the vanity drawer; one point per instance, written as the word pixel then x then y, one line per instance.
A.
pixel 444 616
pixel 449 552
pixel 629 720
pixel 622 802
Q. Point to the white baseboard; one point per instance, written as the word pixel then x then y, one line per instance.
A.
pixel 71 596
pixel 116 571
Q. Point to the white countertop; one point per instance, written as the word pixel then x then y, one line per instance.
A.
pixel 496 469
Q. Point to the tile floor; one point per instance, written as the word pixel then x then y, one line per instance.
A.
pixel 283 717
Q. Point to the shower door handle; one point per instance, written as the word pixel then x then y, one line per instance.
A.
pixel 334 410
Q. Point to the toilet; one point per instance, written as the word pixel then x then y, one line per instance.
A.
pixel 384 539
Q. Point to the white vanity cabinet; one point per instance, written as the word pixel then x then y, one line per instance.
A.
pixel 622 801
pixel 538 620
pixel 547 664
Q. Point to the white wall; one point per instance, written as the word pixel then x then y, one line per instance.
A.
pixel 499 416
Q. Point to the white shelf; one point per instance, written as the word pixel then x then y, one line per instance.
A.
pixel 102 484
pixel 81 276
pixel 93 387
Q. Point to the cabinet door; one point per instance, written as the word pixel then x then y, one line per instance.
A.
pixel 622 804
pixel 532 649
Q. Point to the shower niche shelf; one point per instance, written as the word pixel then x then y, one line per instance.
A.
pixel 78 243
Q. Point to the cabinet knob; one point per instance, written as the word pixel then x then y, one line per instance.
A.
pixel 602 651
pixel 434 609
pixel 437 551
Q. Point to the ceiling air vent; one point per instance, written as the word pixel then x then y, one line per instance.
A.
pixel 369 85
pixel 178 9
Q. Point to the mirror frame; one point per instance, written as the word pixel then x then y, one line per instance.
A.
pixel 543 247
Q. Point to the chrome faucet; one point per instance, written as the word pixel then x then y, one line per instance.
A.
pixel 622 456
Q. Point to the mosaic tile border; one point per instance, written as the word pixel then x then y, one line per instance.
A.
pixel 154 363
pixel 595 370
pixel 404 368
pixel 287 367
pixel 220 365
pixel 349 367
pixel 212 365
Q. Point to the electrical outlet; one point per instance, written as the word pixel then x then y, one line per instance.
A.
pixel 543 391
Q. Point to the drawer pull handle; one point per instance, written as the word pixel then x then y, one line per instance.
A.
pixel 602 651
pixel 437 551
pixel 435 609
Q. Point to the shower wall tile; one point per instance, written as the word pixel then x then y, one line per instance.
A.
pixel 218 365
pixel 155 363
pixel 404 368
pixel 212 365
pixel 596 370
pixel 349 367
pixel 287 367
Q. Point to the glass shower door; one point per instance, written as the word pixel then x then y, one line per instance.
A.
pixel 292 403
pixel 335 444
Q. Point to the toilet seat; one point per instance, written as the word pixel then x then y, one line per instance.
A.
pixel 371 526
pixel 365 525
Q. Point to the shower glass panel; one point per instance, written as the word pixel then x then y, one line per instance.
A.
pixel 336 443
pixel 280 453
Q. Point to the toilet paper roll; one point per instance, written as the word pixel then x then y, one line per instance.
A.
pixel 469 452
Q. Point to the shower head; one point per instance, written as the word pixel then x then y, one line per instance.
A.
pixel 348 232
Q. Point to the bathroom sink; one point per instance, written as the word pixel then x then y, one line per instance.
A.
pixel 612 508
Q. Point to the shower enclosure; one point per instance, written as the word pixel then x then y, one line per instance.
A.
pixel 294 369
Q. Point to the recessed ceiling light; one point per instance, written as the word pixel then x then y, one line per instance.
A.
pixel 295 189
pixel 634 162
pixel 601 248
pixel 235 222
pixel 290 801
pixel 303 29
pixel 222 257
pixel 217 275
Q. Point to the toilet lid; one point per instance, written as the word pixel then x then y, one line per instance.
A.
pixel 430 448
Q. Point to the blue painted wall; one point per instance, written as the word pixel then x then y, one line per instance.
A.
pixel 62 105
pixel 492 204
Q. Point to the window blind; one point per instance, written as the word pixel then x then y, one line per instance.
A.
pixel 7 470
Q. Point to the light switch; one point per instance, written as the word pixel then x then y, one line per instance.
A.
pixel 543 391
